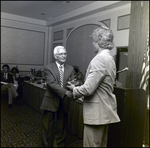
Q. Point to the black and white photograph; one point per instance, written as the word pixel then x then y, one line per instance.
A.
pixel 75 74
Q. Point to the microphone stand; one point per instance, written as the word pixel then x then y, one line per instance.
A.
pixel 120 71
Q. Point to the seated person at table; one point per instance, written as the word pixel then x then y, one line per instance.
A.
pixel 15 73
pixel 7 84
pixel 18 81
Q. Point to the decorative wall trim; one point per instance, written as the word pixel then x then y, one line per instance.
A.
pixel 22 29
pixel 21 64
pixel 106 22
pixel 57 44
pixel 74 29
pixel 68 31
pixel 123 22
pixel 58 35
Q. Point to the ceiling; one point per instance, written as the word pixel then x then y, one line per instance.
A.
pixel 43 10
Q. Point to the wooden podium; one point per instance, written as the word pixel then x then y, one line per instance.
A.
pixel 132 107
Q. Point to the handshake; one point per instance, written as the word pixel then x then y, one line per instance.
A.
pixel 70 87
pixel 73 83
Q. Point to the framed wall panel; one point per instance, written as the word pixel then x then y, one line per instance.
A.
pixel 123 22
pixel 20 46
pixel 58 35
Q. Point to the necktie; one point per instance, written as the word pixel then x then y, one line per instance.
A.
pixel 61 75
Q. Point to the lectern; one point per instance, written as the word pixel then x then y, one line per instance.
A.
pixel 131 105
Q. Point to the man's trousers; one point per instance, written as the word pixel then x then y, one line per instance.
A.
pixel 58 118
pixel 12 93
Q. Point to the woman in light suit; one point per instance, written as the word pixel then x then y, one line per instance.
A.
pixel 99 105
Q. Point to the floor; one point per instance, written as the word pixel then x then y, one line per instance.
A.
pixel 21 126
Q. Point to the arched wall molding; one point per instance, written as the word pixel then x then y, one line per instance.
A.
pixel 106 22
pixel 79 45
pixel 77 27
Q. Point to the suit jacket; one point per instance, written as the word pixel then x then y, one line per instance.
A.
pixel 9 79
pixel 54 92
pixel 99 106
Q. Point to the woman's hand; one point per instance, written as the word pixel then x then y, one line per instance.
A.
pixel 70 86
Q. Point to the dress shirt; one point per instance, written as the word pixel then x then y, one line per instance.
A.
pixel 58 65
pixel 6 76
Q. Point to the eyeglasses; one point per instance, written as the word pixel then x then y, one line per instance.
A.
pixel 60 54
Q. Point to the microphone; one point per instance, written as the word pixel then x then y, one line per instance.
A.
pixel 125 69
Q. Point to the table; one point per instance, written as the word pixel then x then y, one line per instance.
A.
pixel 75 118
pixel 131 110
pixel 33 95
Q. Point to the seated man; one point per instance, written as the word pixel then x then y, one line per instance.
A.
pixel 8 84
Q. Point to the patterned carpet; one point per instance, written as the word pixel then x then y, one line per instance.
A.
pixel 21 126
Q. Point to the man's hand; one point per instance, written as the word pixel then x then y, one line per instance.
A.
pixel 69 94
pixel 70 86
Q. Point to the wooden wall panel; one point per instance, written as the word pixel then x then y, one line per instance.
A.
pixel 139 25
pixel 131 109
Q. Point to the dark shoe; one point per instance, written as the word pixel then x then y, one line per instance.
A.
pixel 10 105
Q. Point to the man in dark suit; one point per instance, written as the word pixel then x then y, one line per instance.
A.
pixel 7 83
pixel 56 99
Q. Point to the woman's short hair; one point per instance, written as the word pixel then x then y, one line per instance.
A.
pixel 5 65
pixel 14 70
pixel 104 37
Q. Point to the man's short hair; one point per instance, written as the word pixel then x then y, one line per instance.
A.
pixel 5 65
pixel 14 69
pixel 55 51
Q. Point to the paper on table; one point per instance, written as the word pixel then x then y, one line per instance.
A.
pixel 7 83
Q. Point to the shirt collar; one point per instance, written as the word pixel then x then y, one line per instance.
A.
pixel 104 51
pixel 59 64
